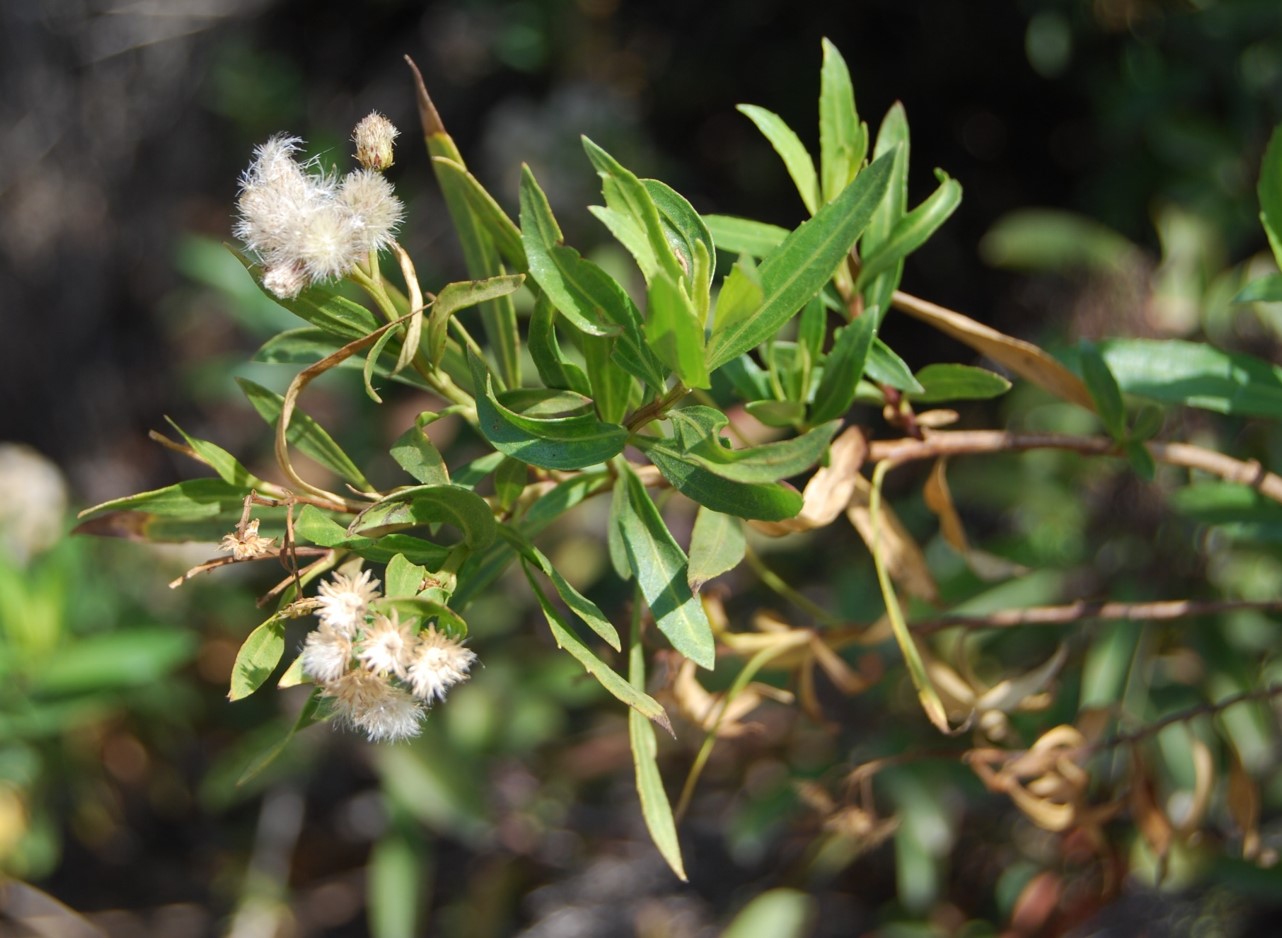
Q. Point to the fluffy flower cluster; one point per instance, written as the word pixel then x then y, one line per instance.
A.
pixel 307 225
pixel 378 672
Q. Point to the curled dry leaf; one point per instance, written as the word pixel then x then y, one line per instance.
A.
pixel 939 499
pixel 1046 782
pixel 1244 805
pixel 708 712
pixel 829 490
pixel 900 553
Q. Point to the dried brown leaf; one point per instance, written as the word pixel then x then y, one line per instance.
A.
pixel 829 489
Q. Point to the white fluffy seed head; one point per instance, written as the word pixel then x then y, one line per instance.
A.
pixel 344 600
pixel 437 663
pixel 385 646
pixel 304 224
pixel 369 702
pixel 371 201
pixel 327 653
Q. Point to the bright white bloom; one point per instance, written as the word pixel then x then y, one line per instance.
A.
pixel 345 599
pixel 438 663
pixel 368 702
pixel 386 645
pixel 327 653
pixel 303 224
pixel 373 137
pixel 368 196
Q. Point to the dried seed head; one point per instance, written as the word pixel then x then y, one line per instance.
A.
pixel 368 196
pixel 369 702
pixel 438 662
pixel 373 137
pixel 327 653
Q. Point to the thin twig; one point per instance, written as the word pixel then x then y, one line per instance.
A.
pixel 1183 716
pixel 970 442
pixel 1162 610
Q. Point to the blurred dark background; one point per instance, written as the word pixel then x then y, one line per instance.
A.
pixel 123 128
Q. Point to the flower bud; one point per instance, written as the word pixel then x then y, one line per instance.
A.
pixel 373 137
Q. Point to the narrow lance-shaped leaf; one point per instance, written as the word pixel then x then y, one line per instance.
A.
pixel 655 807
pixel 417 455
pixel 685 231
pixel 1270 193
pixel 744 236
pixel 1103 387
pixel 570 440
pixel 305 433
pixel 799 267
pixel 222 462
pixel 640 702
pixel 843 140
pixel 674 332
pixel 479 253
pixel 501 229
pixel 843 368
pixel 790 149
pixel 659 565
pixel 627 194
pixel 911 231
pixel 952 382
pixel 693 477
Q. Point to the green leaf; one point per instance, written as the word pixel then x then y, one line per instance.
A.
pixel 395 875
pixel 559 270
pixel 456 296
pixel 430 504
pixel 422 610
pixel 842 369
pixel 612 387
pixel 740 295
pixel 313 711
pixel 571 439
pixel 892 138
pixel 674 332
pixel 692 477
pixel 799 267
pixel 743 235
pixel 314 527
pixel 660 568
pixel 584 293
pixel 655 807
pixel 684 229
pixel 257 658
pixel 510 479
pixel 1103 387
pixel 780 913
pixel 791 150
pixel 843 140
pixel 127 658
pixel 305 433
pixel 501 229
pixel 580 605
pixel 628 195
pixel 416 454
pixel 554 369
pixel 950 382
pixel 777 413
pixel 1238 510
pixel 198 509
pixel 222 462
pixel 698 429
pixel 1270 193
pixel 885 367
pixel 321 306
pixel 717 546
pixel 1196 375
pixel 640 702
pixel 479 253
pixel 911 231
pixel 1261 290
pixel 1141 459
pixel 403 579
